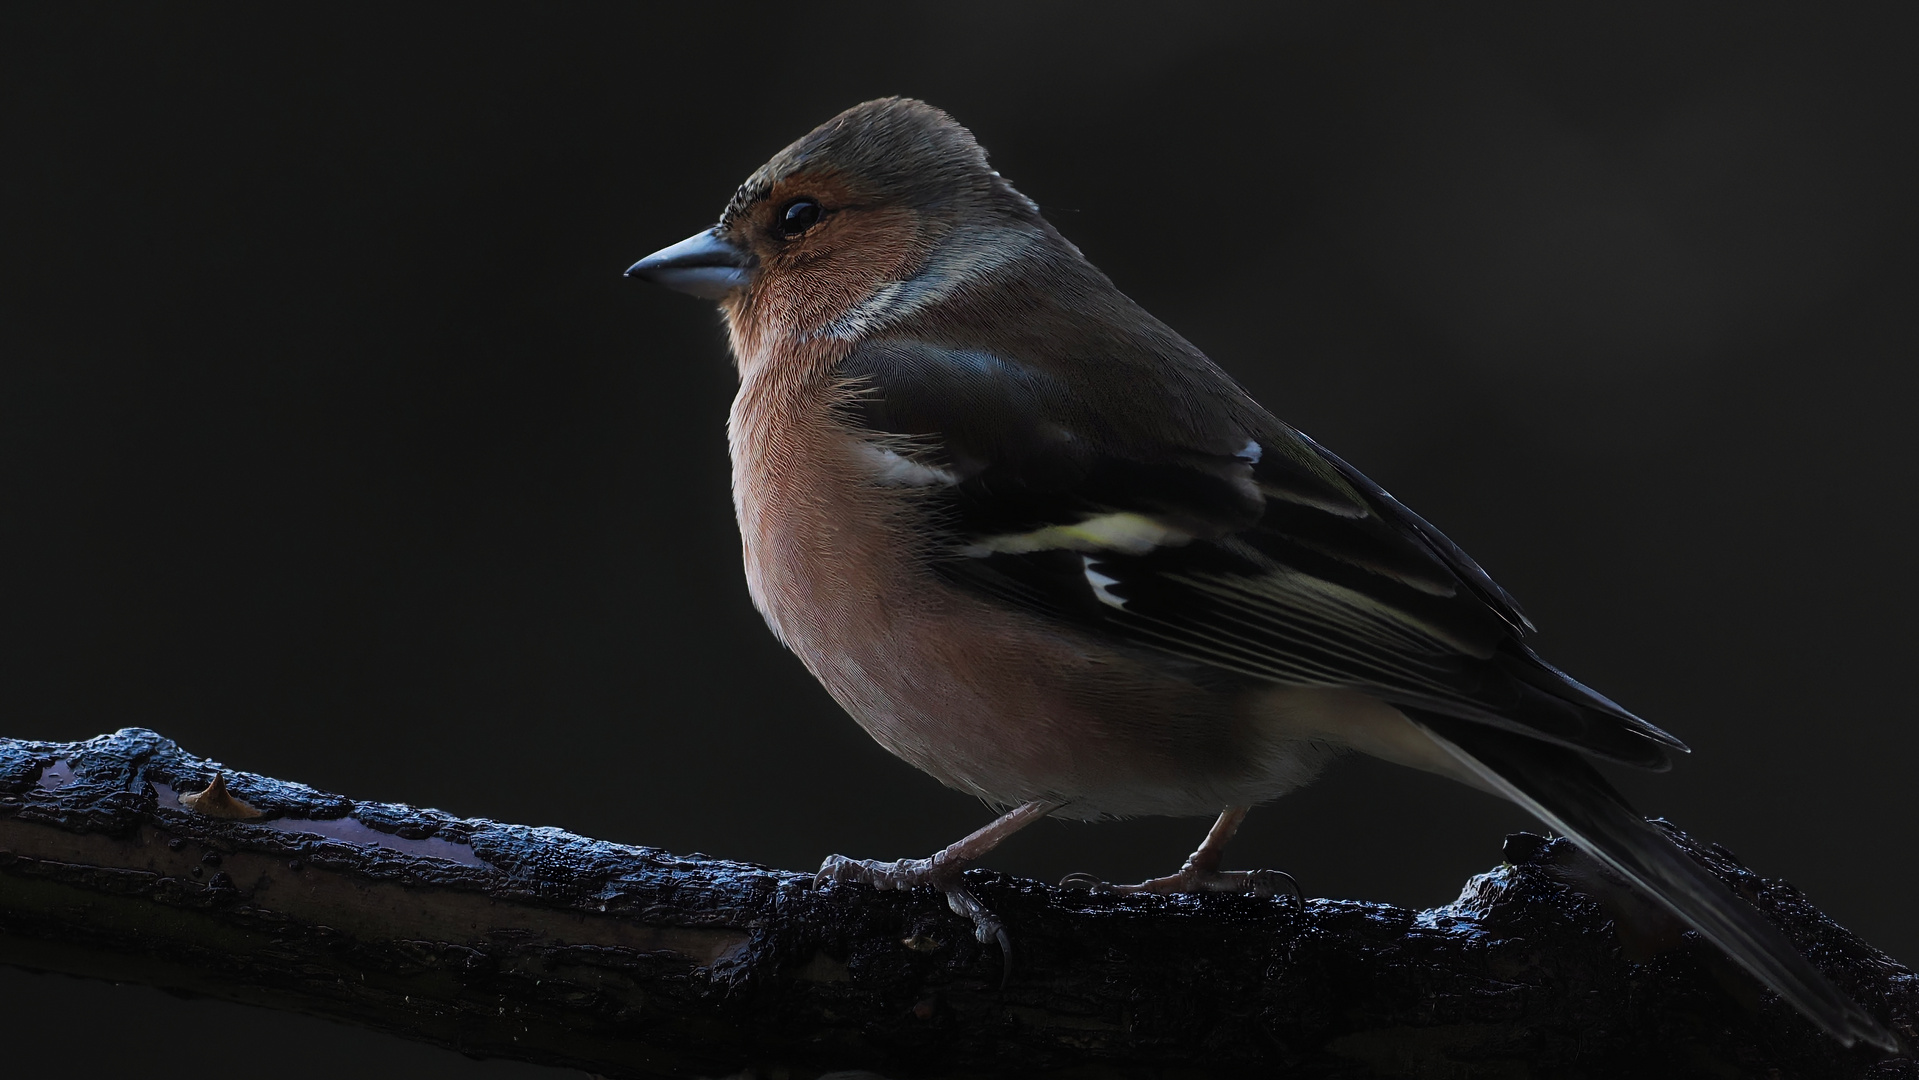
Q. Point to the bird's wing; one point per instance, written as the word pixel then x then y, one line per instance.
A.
pixel 1207 529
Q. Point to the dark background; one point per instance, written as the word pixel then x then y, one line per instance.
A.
pixel 333 445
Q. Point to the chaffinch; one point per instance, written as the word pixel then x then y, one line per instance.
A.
pixel 1042 548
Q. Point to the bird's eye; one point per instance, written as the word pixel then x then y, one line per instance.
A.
pixel 799 216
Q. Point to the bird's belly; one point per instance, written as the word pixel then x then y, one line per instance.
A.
pixel 987 698
pixel 991 704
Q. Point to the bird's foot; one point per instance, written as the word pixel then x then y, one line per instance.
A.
pixel 941 874
pixel 1191 879
pixel 942 871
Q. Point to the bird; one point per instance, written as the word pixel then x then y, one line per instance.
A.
pixel 1042 548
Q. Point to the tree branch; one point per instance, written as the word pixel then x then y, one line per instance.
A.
pixel 509 941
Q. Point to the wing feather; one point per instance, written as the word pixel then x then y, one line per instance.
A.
pixel 1244 546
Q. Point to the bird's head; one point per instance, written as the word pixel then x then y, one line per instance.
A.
pixel 884 209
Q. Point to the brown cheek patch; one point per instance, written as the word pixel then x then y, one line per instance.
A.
pixel 806 285
pixel 853 255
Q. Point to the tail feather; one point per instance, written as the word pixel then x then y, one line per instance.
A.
pixel 1563 790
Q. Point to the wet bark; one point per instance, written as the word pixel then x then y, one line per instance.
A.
pixel 503 940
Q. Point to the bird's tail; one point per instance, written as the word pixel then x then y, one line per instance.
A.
pixel 1563 790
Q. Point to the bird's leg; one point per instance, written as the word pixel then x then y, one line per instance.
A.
pixel 1201 872
pixel 942 871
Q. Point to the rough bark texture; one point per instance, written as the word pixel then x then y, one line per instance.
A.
pixel 503 940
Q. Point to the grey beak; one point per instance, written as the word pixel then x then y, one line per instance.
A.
pixel 703 264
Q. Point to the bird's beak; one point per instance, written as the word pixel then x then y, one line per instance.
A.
pixel 704 265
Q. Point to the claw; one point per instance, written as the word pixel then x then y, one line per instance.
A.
pixel 905 874
pixel 987 928
pixel 1272 882
pixel 942 871
pixel 1080 879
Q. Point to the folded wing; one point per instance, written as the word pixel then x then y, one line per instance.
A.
pixel 1214 532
